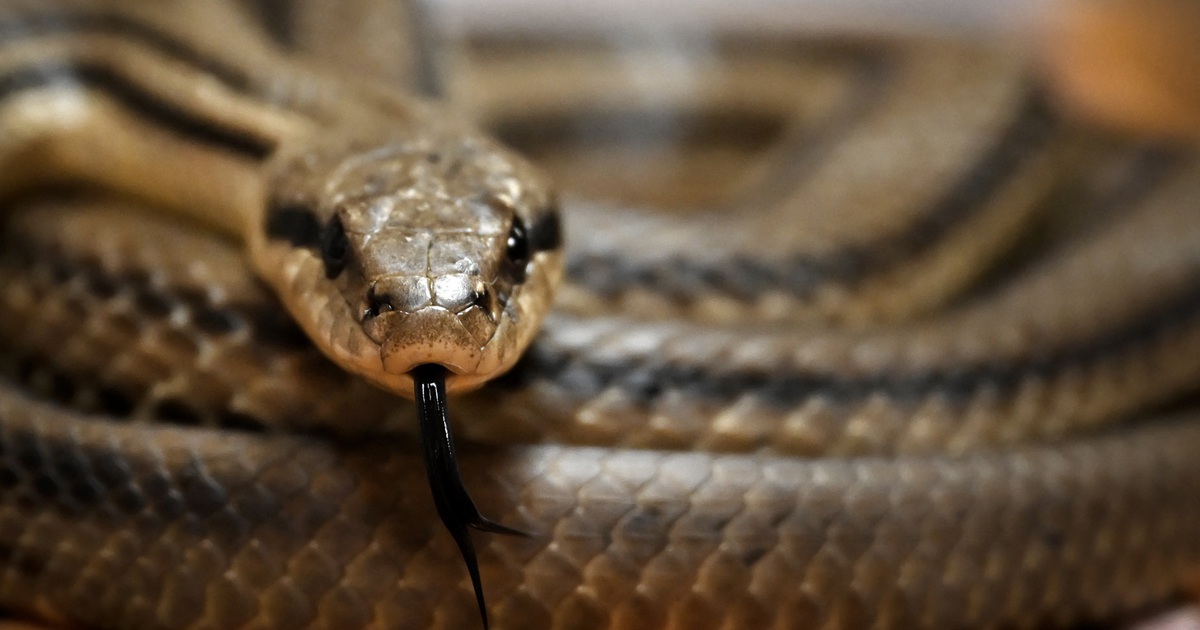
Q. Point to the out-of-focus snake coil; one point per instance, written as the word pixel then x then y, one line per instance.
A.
pixel 806 413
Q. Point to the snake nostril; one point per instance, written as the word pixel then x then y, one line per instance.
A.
pixel 377 303
pixel 486 300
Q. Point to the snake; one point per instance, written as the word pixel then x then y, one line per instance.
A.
pixel 813 406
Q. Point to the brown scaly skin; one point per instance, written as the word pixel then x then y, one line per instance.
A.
pixel 985 496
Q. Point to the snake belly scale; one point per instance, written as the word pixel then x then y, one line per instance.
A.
pixel 712 430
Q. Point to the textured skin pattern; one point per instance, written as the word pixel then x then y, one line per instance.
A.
pixel 293 533
pixel 1019 364
pixel 958 470
pixel 287 531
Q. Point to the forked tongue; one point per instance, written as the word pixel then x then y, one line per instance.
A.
pixel 450 497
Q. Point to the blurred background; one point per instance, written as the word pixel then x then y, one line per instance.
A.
pixel 1124 62
pixel 958 17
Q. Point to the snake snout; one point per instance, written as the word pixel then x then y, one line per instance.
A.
pixel 447 320
pixel 432 335
pixel 406 294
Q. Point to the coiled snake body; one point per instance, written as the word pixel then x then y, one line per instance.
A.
pixel 183 456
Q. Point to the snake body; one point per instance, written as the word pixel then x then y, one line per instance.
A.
pixel 712 429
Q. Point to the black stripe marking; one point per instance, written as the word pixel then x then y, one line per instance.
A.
pixel 295 223
pixel 133 97
pixel 747 277
pixel 75 478
pixel 546 232
pixel 266 323
pixel 873 74
pixel 88 392
pixel 646 381
pixel 33 26
pixel 278 19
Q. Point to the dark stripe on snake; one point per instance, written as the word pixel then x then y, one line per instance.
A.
pixel 297 224
pixel 91 393
pixel 265 321
pixel 277 18
pixel 138 100
pixel 38 469
pixel 873 74
pixel 645 381
pixel 746 277
pixel 546 232
pixel 58 472
pixel 31 26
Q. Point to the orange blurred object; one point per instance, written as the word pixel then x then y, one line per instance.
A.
pixel 1132 64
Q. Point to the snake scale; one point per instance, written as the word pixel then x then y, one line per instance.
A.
pixel 812 411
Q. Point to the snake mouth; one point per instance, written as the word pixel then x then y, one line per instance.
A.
pixel 431 336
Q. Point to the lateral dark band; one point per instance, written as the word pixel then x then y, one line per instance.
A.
pixel 132 96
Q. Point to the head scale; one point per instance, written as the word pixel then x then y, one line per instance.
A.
pixel 439 250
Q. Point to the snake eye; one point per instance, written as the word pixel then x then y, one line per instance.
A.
pixel 517 250
pixel 335 248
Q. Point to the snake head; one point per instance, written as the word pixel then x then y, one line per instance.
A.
pixel 420 251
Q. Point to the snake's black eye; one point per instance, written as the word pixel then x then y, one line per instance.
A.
pixel 517 250
pixel 335 248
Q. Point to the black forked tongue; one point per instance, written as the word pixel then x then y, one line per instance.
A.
pixel 454 504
